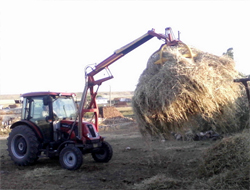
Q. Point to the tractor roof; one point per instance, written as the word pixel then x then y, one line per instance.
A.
pixel 48 93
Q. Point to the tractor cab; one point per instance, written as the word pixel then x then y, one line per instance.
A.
pixel 47 109
pixel 48 105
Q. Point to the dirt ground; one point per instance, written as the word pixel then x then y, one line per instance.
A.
pixel 135 161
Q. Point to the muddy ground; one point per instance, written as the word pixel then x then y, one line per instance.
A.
pixel 135 161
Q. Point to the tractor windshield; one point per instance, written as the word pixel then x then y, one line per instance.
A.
pixel 64 107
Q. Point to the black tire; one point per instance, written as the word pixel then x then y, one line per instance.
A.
pixel 105 154
pixel 23 145
pixel 71 158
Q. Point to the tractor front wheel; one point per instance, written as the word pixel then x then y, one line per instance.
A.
pixel 71 158
pixel 104 154
pixel 23 145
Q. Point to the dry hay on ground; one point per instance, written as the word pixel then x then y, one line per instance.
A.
pixel 226 165
pixel 160 181
pixel 117 123
pixel 110 112
pixel 183 93
pixel 112 118
pixel 118 120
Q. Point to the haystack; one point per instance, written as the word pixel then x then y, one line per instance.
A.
pixel 182 93
pixel 226 165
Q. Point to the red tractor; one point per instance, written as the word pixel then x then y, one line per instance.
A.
pixel 52 126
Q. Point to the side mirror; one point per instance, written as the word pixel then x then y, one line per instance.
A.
pixel 46 100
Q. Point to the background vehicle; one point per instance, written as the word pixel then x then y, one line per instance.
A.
pixel 52 126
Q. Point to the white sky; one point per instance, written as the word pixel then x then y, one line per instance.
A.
pixel 45 44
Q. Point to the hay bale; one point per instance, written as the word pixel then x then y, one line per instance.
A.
pixel 226 165
pixel 179 93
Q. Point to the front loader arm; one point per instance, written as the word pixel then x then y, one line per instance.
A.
pixel 90 82
pixel 126 49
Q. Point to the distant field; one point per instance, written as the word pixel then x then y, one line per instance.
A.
pixel 6 103
pixel 9 96
pixel 8 99
pixel 125 94
pixel 126 111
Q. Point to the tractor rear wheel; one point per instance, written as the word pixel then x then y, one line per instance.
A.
pixel 23 145
pixel 104 154
pixel 71 158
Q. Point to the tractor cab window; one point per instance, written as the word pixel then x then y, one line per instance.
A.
pixel 25 109
pixel 34 110
pixel 64 107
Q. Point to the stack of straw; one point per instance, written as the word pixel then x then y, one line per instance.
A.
pixel 226 165
pixel 184 93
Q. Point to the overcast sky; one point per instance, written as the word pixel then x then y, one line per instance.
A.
pixel 45 44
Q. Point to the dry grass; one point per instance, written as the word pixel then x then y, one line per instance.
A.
pixel 184 93
pixel 126 111
pixel 226 165
pixel 6 112
pixel 160 181
pixel 4 131
pixel 40 172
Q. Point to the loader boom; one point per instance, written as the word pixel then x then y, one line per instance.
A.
pixel 126 49
pixel 90 82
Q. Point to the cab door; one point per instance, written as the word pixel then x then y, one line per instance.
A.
pixel 39 114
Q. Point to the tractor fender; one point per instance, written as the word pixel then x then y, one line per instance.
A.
pixel 68 143
pixel 30 125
